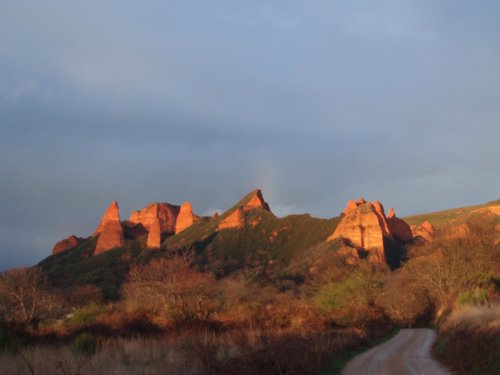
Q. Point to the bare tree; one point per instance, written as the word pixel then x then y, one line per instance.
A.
pixel 171 286
pixel 21 291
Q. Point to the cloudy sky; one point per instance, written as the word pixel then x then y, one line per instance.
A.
pixel 315 102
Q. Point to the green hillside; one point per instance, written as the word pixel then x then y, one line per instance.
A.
pixel 265 244
pixel 453 216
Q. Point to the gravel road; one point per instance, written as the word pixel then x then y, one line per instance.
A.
pixel 407 353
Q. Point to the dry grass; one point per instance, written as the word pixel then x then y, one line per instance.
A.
pixel 470 317
pixel 469 341
pixel 200 352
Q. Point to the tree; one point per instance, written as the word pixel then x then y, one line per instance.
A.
pixel 452 265
pixel 169 286
pixel 403 299
pixel 22 293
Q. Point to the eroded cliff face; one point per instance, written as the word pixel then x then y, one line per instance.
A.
pixel 236 219
pixel 366 226
pixel 186 218
pixel 165 213
pixel 153 240
pixel 425 230
pixel 110 230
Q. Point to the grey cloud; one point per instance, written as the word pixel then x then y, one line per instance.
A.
pixel 314 102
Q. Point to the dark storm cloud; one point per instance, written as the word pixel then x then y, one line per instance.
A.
pixel 315 102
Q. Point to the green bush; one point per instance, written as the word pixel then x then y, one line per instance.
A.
pixel 85 343
pixel 358 288
pixel 85 315
pixel 476 297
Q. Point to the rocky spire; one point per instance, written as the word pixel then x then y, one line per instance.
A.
pixel 186 217
pixel 154 235
pixel 110 230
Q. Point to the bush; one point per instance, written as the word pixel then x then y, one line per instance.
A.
pixel 85 343
pixel 359 288
pixel 404 301
pixel 476 297
pixel 85 315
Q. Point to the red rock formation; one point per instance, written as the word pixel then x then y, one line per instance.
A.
pixel 215 215
pixel 351 205
pixel 164 212
pixel 185 218
pixel 398 227
pixel 424 230
pixel 66 244
pixel 111 215
pixel 363 228
pixel 256 201
pixel 361 200
pixel 110 230
pixel 365 225
pixel 234 220
pixel 154 235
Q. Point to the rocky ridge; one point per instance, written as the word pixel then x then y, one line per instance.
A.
pixel 367 227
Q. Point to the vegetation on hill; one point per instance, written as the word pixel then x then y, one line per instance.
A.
pixel 270 297
pixel 453 216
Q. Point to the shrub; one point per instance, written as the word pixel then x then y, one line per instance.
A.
pixel 85 343
pixel 359 288
pixel 85 315
pixel 403 300
pixel 476 297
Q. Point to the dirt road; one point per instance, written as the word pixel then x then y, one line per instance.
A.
pixel 407 353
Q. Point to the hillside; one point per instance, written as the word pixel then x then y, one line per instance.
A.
pixel 454 216
pixel 261 244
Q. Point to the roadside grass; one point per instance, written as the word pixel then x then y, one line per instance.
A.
pixel 469 341
pixel 338 362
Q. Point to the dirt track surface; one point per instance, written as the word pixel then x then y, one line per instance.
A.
pixel 407 353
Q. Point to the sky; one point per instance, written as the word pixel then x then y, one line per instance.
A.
pixel 314 102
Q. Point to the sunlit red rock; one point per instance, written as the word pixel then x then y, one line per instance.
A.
pixel 361 200
pixel 362 227
pixel 110 230
pixel 424 230
pixel 66 244
pixel 256 201
pixel 365 225
pixel 351 205
pixel 165 213
pixel 153 240
pixel 112 215
pixel 234 220
pixel 186 218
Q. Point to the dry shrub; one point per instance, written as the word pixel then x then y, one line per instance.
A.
pixel 404 301
pixel 170 288
pixel 469 342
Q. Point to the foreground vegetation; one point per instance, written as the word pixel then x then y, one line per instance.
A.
pixel 469 341
pixel 193 310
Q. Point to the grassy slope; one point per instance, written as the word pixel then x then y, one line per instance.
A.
pixel 442 218
pixel 264 241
